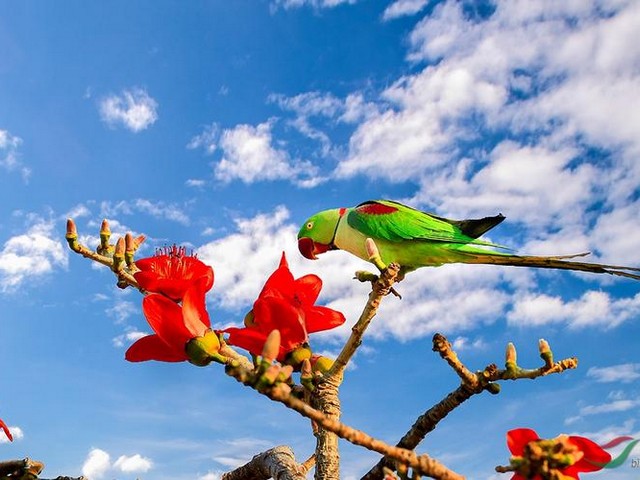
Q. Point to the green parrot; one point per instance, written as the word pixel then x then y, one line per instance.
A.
pixel 414 239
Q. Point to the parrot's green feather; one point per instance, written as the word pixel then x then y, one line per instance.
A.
pixel 395 222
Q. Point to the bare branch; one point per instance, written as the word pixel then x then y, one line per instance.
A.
pixel 472 383
pixel 380 288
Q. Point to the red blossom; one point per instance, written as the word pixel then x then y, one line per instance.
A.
pixel 591 456
pixel 174 325
pixel 171 272
pixel 6 430
pixel 288 305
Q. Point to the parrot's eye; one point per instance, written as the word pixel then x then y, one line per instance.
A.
pixel 309 225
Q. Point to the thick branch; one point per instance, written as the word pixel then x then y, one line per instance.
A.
pixel 278 463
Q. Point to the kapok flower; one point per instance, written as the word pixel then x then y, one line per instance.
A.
pixel 6 430
pixel 182 332
pixel 171 272
pixel 536 458
pixel 288 305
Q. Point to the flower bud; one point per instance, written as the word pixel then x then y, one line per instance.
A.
pixel 511 359
pixel 72 235
pixel 320 364
pixel 545 352
pixel 271 346
pixel 298 355
pixel 118 255
pixel 203 350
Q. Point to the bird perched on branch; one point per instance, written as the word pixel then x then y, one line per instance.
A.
pixel 414 239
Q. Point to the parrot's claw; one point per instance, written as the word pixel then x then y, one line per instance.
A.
pixel 364 276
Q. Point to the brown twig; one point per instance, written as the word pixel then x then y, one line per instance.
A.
pixel 471 384
pixel 278 463
pixel 380 288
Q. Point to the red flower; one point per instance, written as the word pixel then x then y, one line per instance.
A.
pixel 6 430
pixel 171 272
pixel 174 326
pixel 587 455
pixel 288 305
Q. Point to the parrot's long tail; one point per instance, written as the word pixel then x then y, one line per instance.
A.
pixel 562 262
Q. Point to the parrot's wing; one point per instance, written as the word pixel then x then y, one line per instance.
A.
pixel 396 222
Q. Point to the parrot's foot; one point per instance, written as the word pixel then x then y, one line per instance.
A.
pixel 364 276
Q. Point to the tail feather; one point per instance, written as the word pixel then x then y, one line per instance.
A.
pixel 561 262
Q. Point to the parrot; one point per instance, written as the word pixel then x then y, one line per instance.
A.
pixel 413 239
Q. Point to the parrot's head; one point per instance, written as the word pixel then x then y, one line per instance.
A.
pixel 318 233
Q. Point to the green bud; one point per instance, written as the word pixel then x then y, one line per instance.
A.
pixel 320 364
pixel 203 350
pixel 493 388
pixel 297 356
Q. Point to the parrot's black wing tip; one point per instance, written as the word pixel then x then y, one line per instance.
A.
pixel 475 228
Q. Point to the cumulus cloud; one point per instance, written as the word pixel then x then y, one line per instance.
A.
pixel 33 254
pixel 593 308
pixel 506 112
pixel 133 463
pixel 133 109
pixel 625 373
pixel 402 8
pixel 9 155
pixel 98 464
pixel 250 156
pixel 128 338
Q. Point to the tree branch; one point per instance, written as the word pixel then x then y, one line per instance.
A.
pixel 472 384
pixel 281 392
pixel 278 463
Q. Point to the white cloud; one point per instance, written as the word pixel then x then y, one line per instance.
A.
pixel 401 8
pixel 121 310
pixel 195 182
pixel 127 338
pixel 158 209
pixel 16 432
pixel 9 155
pixel 593 308
pixel 250 156
pixel 621 405
pixel 625 373
pixel 97 464
pixel 287 4
pixel 32 254
pixel 133 464
pixel 207 140
pixel 134 109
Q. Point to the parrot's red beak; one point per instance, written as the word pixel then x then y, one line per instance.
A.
pixel 308 248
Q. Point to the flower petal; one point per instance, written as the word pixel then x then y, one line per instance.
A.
pixel 273 313
pixel 518 438
pixel 322 318
pixel 194 310
pixel 281 279
pixel 248 338
pixel 152 347
pixel 594 459
pixel 165 317
pixel 308 289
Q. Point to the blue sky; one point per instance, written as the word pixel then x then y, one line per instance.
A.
pixel 224 125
